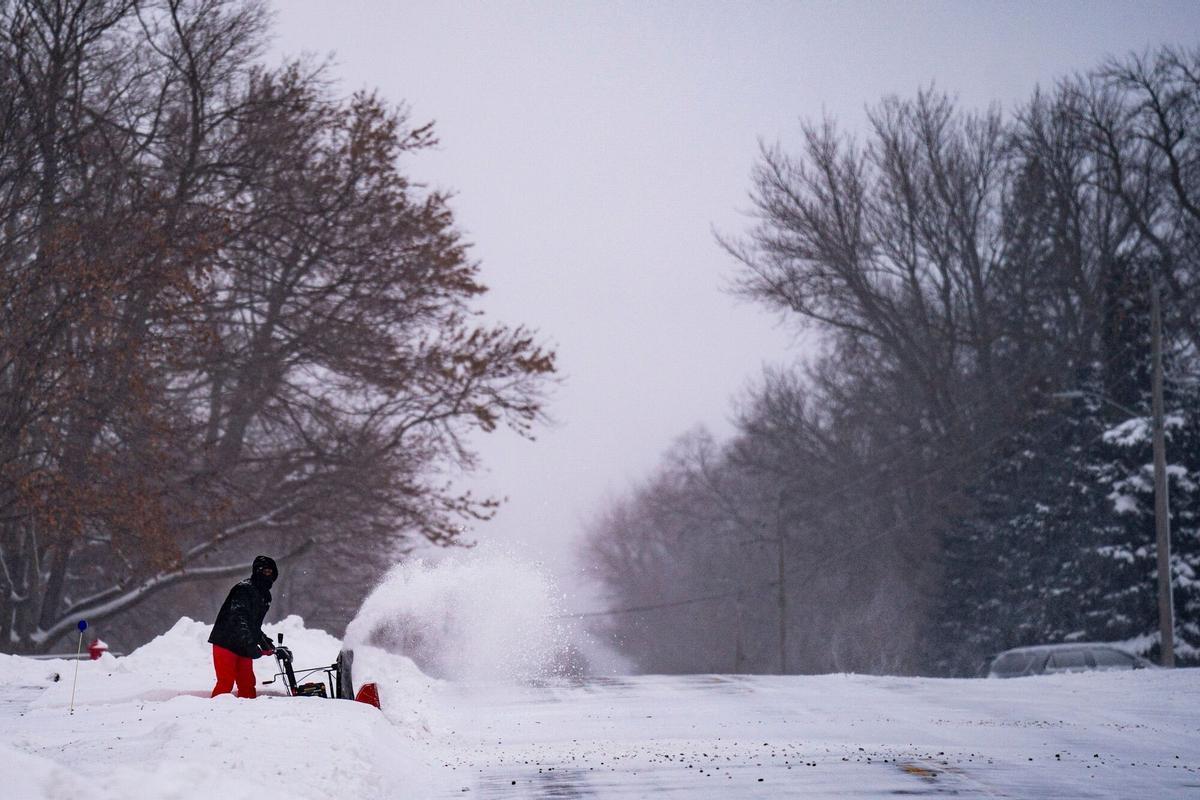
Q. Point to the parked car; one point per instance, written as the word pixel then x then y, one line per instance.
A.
pixel 1047 659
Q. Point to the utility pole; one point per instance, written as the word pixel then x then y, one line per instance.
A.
pixel 1162 518
pixel 739 656
pixel 779 537
pixel 782 611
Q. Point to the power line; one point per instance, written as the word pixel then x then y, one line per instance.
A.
pixel 635 609
pixel 671 604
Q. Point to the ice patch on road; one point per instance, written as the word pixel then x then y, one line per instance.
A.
pixel 481 614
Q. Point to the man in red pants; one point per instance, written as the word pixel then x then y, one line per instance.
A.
pixel 237 636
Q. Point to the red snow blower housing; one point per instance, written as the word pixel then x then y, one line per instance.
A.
pixel 337 683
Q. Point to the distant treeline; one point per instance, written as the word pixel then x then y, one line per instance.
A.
pixel 966 466
pixel 228 322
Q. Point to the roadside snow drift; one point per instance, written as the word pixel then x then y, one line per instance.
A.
pixel 144 726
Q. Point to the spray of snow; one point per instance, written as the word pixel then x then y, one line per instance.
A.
pixel 480 614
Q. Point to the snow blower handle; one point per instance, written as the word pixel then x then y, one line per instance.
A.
pixel 283 657
pixel 279 651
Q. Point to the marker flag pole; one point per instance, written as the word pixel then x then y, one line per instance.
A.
pixel 78 654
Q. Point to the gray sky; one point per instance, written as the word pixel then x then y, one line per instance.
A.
pixel 593 148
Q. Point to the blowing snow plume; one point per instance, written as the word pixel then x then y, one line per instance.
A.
pixel 474 615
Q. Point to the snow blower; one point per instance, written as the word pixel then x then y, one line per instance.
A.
pixel 337 683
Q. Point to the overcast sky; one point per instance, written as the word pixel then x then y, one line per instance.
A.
pixel 595 146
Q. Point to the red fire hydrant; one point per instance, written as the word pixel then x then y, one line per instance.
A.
pixel 97 648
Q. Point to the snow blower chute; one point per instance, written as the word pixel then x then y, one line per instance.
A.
pixel 337 684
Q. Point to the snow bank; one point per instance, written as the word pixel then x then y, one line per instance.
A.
pixel 144 726
pixel 191 747
pixel 27 775
pixel 176 662
pixel 481 614
pixel 404 691
pixel 28 672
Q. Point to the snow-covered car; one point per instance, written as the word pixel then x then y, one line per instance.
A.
pixel 1048 659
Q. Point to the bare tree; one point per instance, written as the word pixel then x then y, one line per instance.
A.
pixel 964 270
pixel 234 320
pixel 1139 113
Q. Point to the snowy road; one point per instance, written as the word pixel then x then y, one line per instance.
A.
pixel 1133 735
pixel 144 726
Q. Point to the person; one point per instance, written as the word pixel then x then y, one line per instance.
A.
pixel 237 636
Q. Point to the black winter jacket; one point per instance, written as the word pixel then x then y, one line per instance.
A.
pixel 239 622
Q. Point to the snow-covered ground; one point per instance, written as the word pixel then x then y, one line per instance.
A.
pixel 1131 735
pixel 143 726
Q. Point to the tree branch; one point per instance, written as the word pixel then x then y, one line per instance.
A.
pixel 103 610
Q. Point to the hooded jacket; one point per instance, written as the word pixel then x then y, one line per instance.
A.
pixel 239 622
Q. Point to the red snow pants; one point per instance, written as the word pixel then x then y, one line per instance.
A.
pixel 232 668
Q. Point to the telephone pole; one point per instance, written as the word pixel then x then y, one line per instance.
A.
pixel 1162 518
pixel 739 655
pixel 783 609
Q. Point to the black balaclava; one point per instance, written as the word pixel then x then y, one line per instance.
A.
pixel 258 570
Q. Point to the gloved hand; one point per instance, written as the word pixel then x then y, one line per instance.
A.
pixel 267 651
